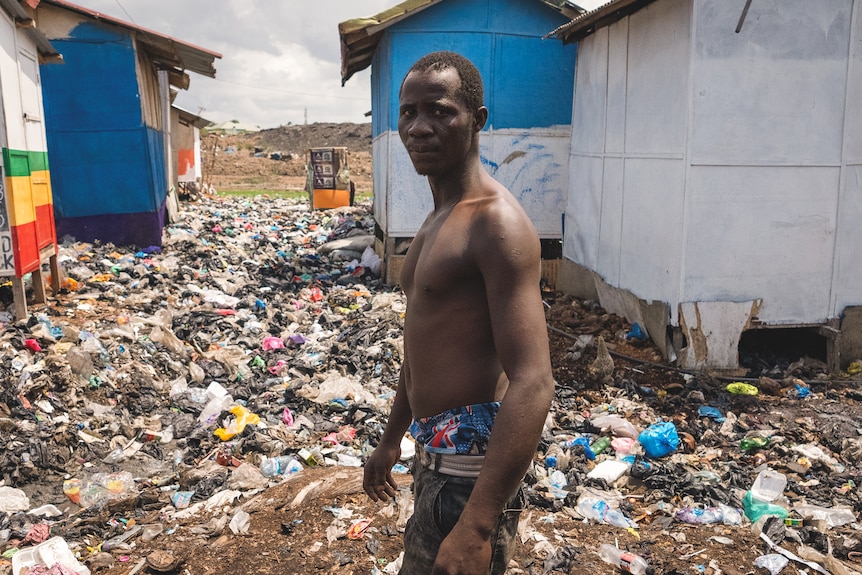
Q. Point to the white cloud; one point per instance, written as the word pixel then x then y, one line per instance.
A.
pixel 280 58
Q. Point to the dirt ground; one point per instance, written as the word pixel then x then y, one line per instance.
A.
pixel 245 161
pixel 286 536
pixel 289 523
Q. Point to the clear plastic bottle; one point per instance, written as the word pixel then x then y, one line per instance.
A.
pixel 628 562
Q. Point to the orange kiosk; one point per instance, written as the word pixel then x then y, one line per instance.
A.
pixel 329 184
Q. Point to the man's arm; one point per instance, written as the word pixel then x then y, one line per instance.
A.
pixel 508 256
pixel 377 481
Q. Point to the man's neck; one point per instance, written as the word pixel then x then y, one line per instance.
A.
pixel 449 189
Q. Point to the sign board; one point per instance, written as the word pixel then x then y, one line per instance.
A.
pixel 324 167
pixel 7 254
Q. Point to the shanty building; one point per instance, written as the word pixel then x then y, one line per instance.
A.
pixel 27 234
pixel 528 90
pixel 715 187
pixel 108 122
pixel 186 145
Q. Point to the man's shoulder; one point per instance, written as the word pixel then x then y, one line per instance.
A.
pixel 501 208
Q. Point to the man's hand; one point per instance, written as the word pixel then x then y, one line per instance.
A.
pixel 378 482
pixel 463 552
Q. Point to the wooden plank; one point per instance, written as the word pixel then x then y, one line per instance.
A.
pixel 19 297
pixel 38 285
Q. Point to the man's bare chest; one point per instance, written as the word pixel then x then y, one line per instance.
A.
pixel 438 262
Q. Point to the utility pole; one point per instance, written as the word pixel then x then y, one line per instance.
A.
pixel 306 116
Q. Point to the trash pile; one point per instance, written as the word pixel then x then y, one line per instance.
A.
pixel 173 405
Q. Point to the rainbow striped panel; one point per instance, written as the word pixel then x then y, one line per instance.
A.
pixel 30 206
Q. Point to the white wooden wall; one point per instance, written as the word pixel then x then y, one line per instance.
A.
pixel 847 274
pixel 532 164
pixel 711 166
pixel 624 217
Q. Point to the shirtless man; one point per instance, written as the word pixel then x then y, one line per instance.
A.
pixel 475 384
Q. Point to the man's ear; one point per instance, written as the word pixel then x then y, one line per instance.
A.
pixel 479 118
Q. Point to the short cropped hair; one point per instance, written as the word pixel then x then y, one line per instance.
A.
pixel 472 92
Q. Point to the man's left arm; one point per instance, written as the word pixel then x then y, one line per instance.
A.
pixel 510 265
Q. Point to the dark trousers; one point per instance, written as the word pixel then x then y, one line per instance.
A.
pixel 438 502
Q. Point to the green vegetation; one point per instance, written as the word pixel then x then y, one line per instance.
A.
pixel 290 194
pixel 293 194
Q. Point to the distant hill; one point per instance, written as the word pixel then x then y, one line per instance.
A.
pixel 248 161
pixel 297 139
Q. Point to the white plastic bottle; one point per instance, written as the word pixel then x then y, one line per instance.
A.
pixel 628 562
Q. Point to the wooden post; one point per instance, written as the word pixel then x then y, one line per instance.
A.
pixel 19 292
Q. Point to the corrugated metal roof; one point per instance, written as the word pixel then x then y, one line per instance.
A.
pixel 23 19
pixel 360 36
pixel 193 119
pixel 588 22
pixel 167 52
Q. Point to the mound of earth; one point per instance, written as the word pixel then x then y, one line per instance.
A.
pixel 275 159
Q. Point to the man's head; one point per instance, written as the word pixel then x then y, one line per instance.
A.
pixel 472 92
pixel 441 114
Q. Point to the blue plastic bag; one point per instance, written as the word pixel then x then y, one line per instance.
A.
pixel 712 412
pixel 585 441
pixel 659 439
pixel 636 333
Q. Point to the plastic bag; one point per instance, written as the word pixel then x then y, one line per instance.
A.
pixel 834 516
pixel 13 500
pixel 243 417
pixel 240 522
pixel 773 562
pixel 583 441
pixel 618 426
pixel 756 508
pixel 166 337
pixel 659 439
pixel 712 413
pixel 739 388
pixel 592 508
pixel 99 487
pixel 247 476
pixel 371 261
pixel 80 362
pixel 698 515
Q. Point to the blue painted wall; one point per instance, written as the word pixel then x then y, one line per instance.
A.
pixel 503 39
pixel 105 162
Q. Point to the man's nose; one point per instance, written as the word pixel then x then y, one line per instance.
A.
pixel 419 126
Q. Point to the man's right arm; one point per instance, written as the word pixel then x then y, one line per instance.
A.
pixel 378 481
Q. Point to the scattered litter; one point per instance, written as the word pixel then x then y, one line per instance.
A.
pixel 165 396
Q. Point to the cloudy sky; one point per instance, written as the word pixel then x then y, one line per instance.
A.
pixel 280 60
